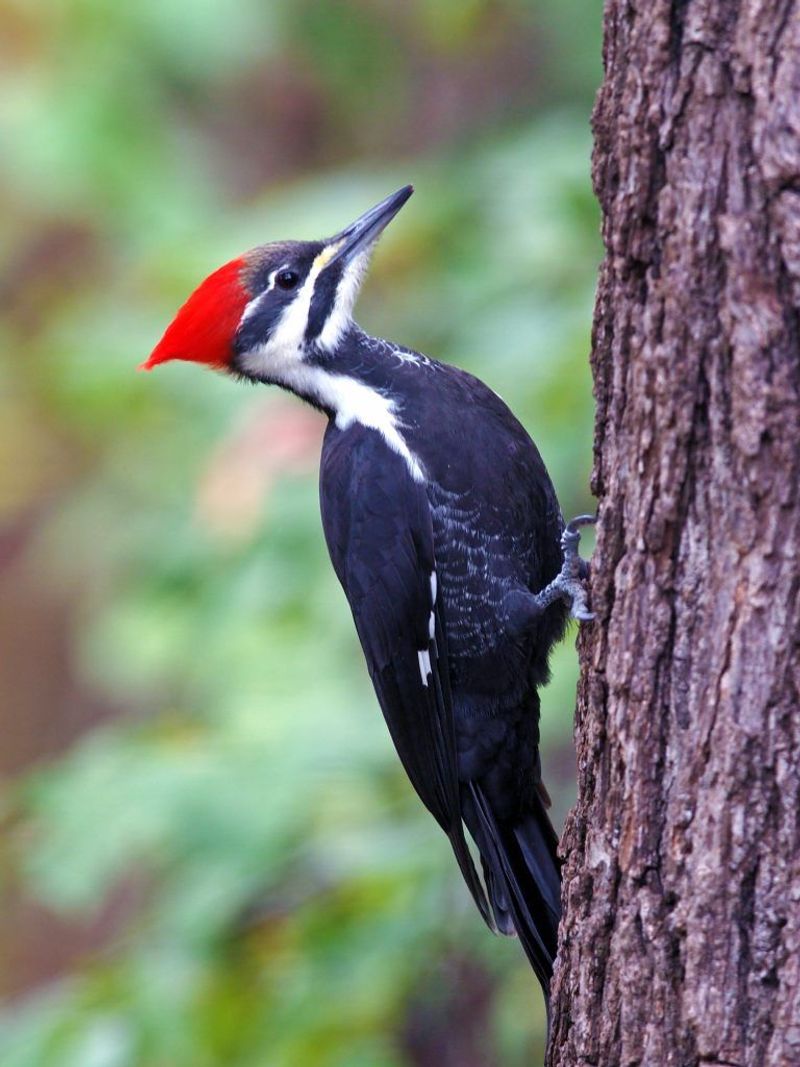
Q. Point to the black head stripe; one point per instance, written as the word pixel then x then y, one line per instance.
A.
pixel 258 327
pixel 265 262
pixel 323 300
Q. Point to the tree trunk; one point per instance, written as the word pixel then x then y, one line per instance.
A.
pixel 680 943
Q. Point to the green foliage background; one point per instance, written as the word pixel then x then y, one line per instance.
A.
pixel 258 883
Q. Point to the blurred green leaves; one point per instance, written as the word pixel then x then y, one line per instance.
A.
pixel 277 896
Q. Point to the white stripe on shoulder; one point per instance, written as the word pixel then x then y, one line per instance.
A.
pixel 353 401
pixel 357 402
pixel 349 400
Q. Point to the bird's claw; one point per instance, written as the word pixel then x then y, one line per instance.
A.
pixel 572 531
pixel 575 592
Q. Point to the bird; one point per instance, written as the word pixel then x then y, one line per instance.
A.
pixel 444 530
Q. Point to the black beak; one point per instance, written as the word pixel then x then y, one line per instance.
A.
pixel 368 227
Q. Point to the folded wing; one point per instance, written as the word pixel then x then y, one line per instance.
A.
pixel 378 528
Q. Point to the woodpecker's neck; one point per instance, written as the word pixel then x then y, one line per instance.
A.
pixel 353 382
pixel 313 371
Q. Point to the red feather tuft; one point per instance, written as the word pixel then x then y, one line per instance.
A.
pixel 204 328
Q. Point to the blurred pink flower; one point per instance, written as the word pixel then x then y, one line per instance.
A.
pixel 278 437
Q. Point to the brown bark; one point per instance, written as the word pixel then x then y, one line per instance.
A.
pixel 681 936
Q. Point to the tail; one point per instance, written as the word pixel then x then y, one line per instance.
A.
pixel 522 873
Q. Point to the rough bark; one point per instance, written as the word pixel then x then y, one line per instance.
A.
pixel 681 936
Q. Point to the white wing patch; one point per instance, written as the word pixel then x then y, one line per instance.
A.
pixel 425 668
pixel 424 656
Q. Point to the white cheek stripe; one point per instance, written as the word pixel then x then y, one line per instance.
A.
pixel 342 312
pixel 290 332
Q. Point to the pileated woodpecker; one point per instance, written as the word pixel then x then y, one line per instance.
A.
pixel 443 528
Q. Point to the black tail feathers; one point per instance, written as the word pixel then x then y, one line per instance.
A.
pixel 522 873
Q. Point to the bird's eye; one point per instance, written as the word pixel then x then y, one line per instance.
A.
pixel 287 279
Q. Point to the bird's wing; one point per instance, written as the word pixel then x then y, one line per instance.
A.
pixel 379 532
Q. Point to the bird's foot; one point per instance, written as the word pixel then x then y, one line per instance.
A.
pixel 570 583
pixel 575 571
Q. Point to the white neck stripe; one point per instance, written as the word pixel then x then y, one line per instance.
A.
pixel 351 402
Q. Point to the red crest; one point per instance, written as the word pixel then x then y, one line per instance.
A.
pixel 204 328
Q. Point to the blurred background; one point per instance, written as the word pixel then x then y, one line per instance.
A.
pixel 210 854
